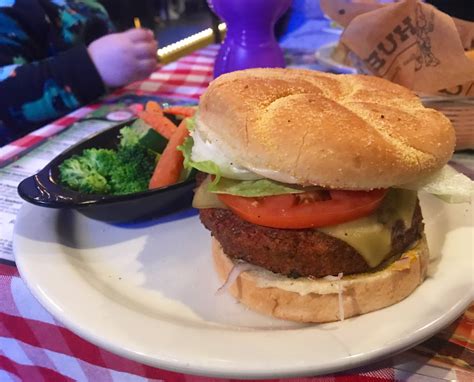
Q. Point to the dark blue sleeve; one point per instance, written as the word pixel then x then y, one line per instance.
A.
pixel 35 91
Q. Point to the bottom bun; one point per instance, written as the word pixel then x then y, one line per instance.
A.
pixel 325 299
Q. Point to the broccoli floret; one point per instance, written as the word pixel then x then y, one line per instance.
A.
pixel 101 160
pixel 134 170
pixel 88 172
pixel 129 136
pixel 94 183
pixel 103 171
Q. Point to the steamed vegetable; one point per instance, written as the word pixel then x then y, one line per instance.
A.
pixel 154 117
pixel 181 111
pixel 130 136
pixel 133 170
pixel 87 172
pixel 170 165
pixel 104 171
pixel 130 168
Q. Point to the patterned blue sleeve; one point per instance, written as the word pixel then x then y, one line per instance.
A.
pixel 45 70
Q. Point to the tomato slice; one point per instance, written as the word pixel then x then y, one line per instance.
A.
pixel 307 210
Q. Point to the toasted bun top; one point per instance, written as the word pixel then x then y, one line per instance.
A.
pixel 338 131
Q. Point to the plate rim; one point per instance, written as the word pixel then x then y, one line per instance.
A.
pixel 330 63
pixel 202 369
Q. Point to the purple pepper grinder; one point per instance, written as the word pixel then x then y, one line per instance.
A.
pixel 250 40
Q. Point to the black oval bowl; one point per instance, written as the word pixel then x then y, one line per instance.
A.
pixel 44 189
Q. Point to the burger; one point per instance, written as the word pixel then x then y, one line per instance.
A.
pixel 304 186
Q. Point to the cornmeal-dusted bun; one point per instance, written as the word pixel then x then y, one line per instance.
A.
pixel 318 300
pixel 338 131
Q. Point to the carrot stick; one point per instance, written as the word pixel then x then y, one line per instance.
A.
pixel 153 115
pixel 184 111
pixel 159 123
pixel 170 165
pixel 154 107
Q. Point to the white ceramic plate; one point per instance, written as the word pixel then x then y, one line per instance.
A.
pixel 323 55
pixel 148 293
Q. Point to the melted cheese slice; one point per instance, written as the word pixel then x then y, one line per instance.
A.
pixel 371 236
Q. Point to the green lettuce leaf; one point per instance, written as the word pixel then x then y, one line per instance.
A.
pixel 252 188
pixel 248 188
pixel 447 184
pixel 207 166
pixel 191 123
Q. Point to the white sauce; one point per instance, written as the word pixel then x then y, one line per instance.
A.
pixel 204 150
pixel 302 285
pixel 212 149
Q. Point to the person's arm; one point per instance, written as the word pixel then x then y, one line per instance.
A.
pixel 35 89
pixel 34 93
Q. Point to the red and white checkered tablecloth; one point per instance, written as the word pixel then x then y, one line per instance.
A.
pixel 35 347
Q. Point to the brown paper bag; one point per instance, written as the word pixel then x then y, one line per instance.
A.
pixel 343 11
pixel 466 32
pixel 415 45
pixel 410 43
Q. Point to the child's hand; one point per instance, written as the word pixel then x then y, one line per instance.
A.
pixel 121 58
